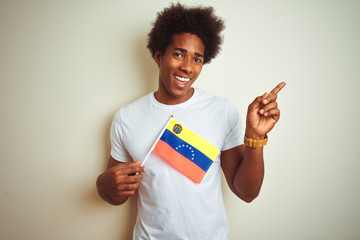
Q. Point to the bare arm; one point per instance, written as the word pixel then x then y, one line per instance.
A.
pixel 243 166
pixel 119 181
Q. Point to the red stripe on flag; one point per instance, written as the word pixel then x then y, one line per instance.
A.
pixel 178 161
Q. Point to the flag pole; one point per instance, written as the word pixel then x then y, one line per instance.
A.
pixel 153 146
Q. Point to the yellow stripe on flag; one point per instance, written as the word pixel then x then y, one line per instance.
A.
pixel 195 140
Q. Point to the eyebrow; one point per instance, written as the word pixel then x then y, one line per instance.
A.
pixel 185 51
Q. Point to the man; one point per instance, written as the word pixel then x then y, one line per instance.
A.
pixel 171 206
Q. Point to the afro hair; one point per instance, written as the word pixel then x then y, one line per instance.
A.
pixel 178 19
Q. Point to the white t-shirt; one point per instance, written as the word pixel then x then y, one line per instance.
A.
pixel 171 206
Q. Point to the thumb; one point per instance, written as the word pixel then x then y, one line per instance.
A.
pixel 256 104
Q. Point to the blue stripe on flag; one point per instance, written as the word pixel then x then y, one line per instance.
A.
pixel 186 150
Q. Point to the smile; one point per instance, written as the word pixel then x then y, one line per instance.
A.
pixel 182 79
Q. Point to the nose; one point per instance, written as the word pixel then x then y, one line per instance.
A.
pixel 187 66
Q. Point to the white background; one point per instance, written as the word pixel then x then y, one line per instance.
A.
pixel 67 66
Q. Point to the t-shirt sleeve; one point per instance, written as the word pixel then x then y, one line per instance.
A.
pixel 118 149
pixel 235 129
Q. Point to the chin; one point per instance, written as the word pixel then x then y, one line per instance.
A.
pixel 181 93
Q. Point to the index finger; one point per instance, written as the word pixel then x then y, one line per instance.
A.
pixel 126 168
pixel 278 87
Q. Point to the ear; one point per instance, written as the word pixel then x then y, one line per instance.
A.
pixel 157 57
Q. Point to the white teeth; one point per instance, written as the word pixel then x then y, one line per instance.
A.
pixel 182 79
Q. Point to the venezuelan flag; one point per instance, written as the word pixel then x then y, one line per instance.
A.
pixel 186 151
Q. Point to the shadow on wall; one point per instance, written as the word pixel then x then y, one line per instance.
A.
pixel 147 68
pixel 148 73
pixel 126 211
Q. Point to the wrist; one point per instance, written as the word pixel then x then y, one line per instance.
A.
pixel 253 135
pixel 255 143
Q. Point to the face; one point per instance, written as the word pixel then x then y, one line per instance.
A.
pixel 179 67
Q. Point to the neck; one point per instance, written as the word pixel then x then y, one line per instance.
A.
pixel 172 100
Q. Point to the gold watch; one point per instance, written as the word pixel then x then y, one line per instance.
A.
pixel 254 143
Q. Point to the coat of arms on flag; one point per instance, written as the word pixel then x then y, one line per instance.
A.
pixel 186 151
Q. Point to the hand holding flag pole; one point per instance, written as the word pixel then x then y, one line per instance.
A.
pixel 153 146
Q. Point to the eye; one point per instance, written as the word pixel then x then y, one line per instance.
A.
pixel 197 60
pixel 179 55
